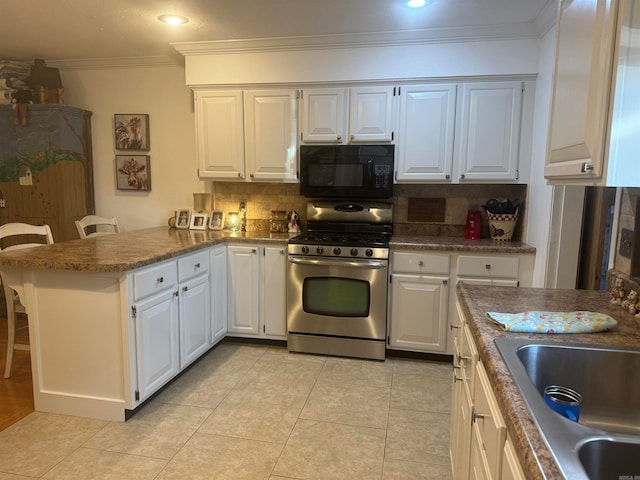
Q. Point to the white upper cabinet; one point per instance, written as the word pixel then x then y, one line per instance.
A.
pixel 584 51
pixel 219 134
pixel 488 144
pixel 247 135
pixel 323 115
pixel 593 139
pixel 426 132
pixel 270 125
pixel 371 114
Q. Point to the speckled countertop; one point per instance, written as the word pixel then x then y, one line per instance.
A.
pixel 130 250
pixel 477 300
pixel 421 242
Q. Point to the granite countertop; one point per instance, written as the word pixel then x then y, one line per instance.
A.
pixel 477 300
pixel 134 249
pixel 461 244
pixel 129 250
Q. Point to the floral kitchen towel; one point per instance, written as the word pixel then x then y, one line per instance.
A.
pixel 553 322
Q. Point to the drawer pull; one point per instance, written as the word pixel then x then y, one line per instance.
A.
pixel 457 378
pixel 463 358
pixel 488 266
pixel 160 279
pixel 421 263
pixel 184 289
pixel 475 415
pixel 453 327
pixel 197 265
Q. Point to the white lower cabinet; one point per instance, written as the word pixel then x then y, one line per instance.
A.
pixel 257 289
pixel 157 342
pixel 419 301
pixel 422 297
pixel 479 447
pixel 511 469
pixel 244 289
pixel 218 274
pixel 172 317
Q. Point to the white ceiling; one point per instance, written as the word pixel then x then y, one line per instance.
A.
pixel 58 30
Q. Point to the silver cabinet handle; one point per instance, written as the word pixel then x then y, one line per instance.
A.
pixel 475 415
pixel 197 265
pixel 160 279
pixel 339 138
pixel 587 167
pixel 184 289
pixel 488 266
pixel 452 326
pixel 462 176
pixel 421 263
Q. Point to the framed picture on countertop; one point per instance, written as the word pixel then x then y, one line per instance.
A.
pixel 198 221
pixel 216 220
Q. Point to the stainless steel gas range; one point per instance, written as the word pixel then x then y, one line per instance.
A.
pixel 338 274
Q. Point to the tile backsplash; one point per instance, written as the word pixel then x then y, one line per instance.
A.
pixel 262 198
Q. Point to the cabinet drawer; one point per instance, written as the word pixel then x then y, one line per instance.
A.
pixel 192 265
pixel 154 279
pixel 420 263
pixel 476 266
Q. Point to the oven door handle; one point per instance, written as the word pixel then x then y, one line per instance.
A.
pixel 342 262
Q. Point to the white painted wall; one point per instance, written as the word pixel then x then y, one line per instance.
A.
pixel 160 92
pixel 540 194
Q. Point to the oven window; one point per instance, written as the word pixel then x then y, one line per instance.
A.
pixel 336 297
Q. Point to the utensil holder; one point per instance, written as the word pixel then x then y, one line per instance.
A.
pixel 502 225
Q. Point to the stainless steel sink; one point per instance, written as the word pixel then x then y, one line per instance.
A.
pixel 606 441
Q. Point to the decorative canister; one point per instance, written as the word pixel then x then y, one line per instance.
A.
pixel 502 225
pixel 278 221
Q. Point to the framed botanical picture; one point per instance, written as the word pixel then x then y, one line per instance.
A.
pixel 198 221
pixel 183 218
pixel 216 220
pixel 133 172
pixel 131 131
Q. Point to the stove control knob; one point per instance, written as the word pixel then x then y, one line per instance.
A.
pixel 354 252
pixel 319 250
pixel 337 251
pixel 305 249
pixel 368 252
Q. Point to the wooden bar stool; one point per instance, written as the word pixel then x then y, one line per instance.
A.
pixel 26 235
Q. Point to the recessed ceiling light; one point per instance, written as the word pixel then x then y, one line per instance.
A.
pixel 418 3
pixel 173 19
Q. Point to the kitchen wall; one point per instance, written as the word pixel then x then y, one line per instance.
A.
pixel 159 91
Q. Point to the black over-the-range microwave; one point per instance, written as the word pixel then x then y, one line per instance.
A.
pixel 346 171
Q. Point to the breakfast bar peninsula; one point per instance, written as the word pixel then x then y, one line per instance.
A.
pixel 114 318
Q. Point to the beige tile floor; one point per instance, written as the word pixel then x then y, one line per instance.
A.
pixel 256 412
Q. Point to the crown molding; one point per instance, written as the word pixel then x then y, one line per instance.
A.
pixel 378 39
pixel 547 17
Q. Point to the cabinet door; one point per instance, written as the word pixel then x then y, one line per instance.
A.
pixel 489 131
pixel 274 314
pixel 244 277
pixel 271 135
pixel 488 424
pixel 219 134
pixel 323 115
pixel 419 312
pixel 218 293
pixel 371 114
pixel 195 319
pixel 157 347
pixel 582 81
pixel 426 132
